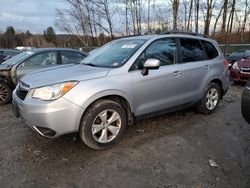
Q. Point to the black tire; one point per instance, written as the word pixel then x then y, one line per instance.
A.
pixel 5 93
pixel 90 116
pixel 203 108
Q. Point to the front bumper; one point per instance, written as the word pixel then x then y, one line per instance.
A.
pixel 48 118
pixel 237 75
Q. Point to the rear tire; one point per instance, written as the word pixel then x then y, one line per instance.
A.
pixel 210 99
pixel 103 124
pixel 5 93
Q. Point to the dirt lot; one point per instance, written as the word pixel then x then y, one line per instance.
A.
pixel 167 151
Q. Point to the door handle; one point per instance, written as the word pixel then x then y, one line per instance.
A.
pixel 177 73
pixel 207 67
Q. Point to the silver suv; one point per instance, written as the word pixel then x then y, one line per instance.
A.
pixel 124 80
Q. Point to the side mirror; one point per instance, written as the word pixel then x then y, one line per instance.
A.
pixel 150 64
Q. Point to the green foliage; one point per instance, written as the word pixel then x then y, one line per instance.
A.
pixel 49 35
pixel 10 30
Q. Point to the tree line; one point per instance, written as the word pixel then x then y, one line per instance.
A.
pixel 95 22
pixel 87 18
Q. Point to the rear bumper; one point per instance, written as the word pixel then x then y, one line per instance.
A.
pixel 48 118
pixel 237 75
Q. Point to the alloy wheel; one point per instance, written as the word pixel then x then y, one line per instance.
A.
pixel 212 98
pixel 106 126
pixel 3 93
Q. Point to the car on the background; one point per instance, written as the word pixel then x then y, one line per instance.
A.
pixel 245 103
pixel 236 56
pixel 240 71
pixel 6 54
pixel 128 78
pixel 2 58
pixel 28 61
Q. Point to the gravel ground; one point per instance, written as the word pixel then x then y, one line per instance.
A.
pixel 167 151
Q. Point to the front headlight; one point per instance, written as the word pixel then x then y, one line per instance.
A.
pixel 53 92
pixel 235 66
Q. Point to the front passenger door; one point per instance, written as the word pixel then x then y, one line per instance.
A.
pixel 160 88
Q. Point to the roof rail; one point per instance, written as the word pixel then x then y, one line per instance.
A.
pixel 183 32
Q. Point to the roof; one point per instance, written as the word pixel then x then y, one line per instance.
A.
pixel 49 49
pixel 167 34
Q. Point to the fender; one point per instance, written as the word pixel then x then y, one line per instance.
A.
pixel 107 93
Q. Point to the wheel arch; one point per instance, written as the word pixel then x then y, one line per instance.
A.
pixel 118 97
pixel 219 83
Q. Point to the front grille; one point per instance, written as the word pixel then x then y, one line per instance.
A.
pixel 245 69
pixel 22 90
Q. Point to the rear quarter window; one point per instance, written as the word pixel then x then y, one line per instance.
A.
pixel 211 51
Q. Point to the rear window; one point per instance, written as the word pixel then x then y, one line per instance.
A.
pixel 211 51
pixel 191 50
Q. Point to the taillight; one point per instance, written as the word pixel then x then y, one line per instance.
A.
pixel 225 62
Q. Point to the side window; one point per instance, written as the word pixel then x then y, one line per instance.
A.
pixel 163 50
pixel 191 50
pixel 43 58
pixel 247 53
pixel 71 57
pixel 210 49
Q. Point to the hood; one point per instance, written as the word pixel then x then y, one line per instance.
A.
pixel 4 66
pixel 62 73
pixel 244 63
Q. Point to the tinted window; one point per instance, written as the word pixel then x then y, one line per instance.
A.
pixel 210 49
pixel 163 50
pixel 191 50
pixel 71 57
pixel 44 58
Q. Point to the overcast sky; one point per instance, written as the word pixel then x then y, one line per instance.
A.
pixel 32 15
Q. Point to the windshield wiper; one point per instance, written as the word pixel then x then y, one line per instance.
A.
pixel 90 64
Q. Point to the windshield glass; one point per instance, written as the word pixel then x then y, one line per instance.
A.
pixel 113 54
pixel 237 53
pixel 17 58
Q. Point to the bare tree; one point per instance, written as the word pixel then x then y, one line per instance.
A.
pixel 246 14
pixel 224 17
pixel 197 10
pixel 149 30
pixel 190 14
pixel 102 9
pixel 217 19
pixel 175 7
pixel 208 16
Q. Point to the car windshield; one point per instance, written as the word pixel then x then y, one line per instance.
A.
pixel 237 53
pixel 113 54
pixel 17 58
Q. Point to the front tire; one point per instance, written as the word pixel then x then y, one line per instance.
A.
pixel 5 93
pixel 210 99
pixel 103 124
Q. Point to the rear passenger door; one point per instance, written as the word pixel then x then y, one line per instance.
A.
pixel 195 69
